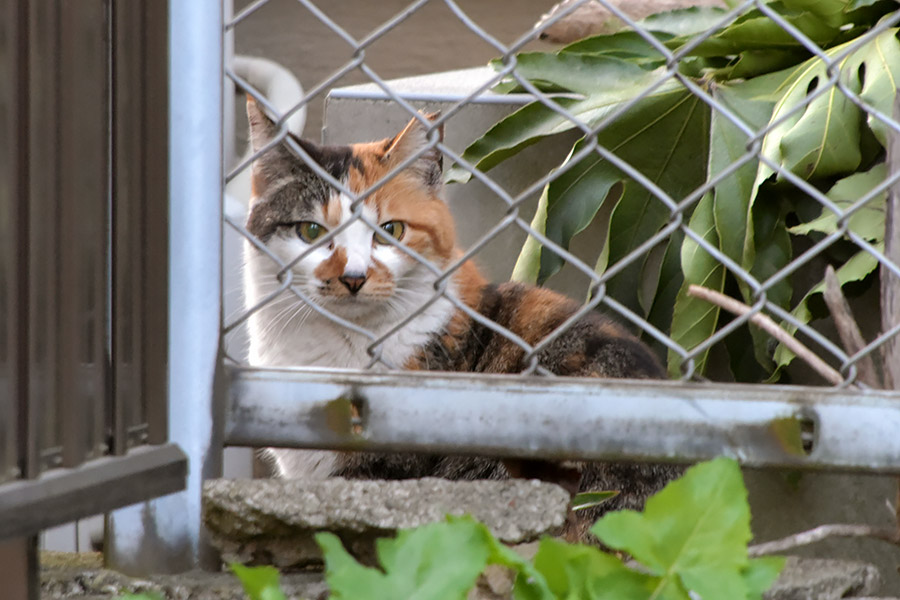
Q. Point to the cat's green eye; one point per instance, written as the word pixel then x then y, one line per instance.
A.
pixel 395 229
pixel 310 231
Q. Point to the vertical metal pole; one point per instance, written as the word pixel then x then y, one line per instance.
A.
pixel 165 535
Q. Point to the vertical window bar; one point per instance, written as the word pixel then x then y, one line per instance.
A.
pixel 13 216
pixel 42 428
pixel 83 232
pixel 127 181
pixel 154 216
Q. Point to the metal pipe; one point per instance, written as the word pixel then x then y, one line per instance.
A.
pixel 564 418
pixel 165 535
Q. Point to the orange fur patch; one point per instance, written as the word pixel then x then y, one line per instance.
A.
pixel 536 314
pixel 333 267
pixel 430 230
pixel 331 212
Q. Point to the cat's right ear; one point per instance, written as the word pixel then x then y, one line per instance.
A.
pixel 276 160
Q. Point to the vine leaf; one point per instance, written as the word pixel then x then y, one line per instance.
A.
pixel 693 534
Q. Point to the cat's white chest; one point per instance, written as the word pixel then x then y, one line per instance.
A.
pixel 286 332
pixel 276 341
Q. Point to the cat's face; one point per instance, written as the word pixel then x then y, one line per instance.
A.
pixel 346 265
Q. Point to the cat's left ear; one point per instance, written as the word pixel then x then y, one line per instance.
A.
pixel 411 141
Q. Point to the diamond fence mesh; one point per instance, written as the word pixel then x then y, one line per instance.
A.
pixel 743 148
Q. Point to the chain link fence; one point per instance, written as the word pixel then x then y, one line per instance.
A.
pixel 742 116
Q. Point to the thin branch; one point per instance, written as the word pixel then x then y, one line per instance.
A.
pixel 804 538
pixel 770 327
pixel 848 329
pixel 890 284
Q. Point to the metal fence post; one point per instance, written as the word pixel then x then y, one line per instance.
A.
pixel 165 535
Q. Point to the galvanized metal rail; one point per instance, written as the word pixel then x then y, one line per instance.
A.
pixel 564 418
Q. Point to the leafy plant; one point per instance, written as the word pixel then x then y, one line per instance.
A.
pixel 586 500
pixel 259 583
pixel 663 134
pixel 691 538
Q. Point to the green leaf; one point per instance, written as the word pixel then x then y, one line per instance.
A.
pixel 623 44
pixel 694 532
pixel 825 140
pixel 684 21
pixel 829 11
pixel 580 73
pixel 439 561
pixel 756 31
pixel 510 135
pixel 141 596
pixel 694 320
pixel 259 583
pixel 575 571
pixel 665 143
pixel 573 199
pixel 881 58
pixel 616 81
pixel 528 265
pixel 752 63
pixel 816 147
pixel 761 573
pixel 857 268
pixel 591 499
pixel 867 221
pixel 750 101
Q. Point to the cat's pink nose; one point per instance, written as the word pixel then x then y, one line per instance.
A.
pixel 352 281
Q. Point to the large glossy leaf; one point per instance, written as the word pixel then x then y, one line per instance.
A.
pixel 867 222
pixel 718 217
pixel 528 265
pixel 581 73
pixel 829 11
pixel 857 268
pixel 628 44
pixel 825 139
pixel 694 320
pixel 756 31
pixel 881 58
pixel 668 147
pixel 573 200
pixel 684 21
pixel 616 81
pixel 670 124
pixel 824 120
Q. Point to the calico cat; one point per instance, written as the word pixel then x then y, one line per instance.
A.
pixel 361 277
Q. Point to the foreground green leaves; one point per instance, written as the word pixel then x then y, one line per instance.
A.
pixel 668 158
pixel 260 583
pixel 692 538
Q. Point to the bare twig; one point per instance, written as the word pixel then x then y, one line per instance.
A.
pixel 890 285
pixel 848 329
pixel 770 327
pixel 804 538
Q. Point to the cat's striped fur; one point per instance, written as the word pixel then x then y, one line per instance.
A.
pixel 374 285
